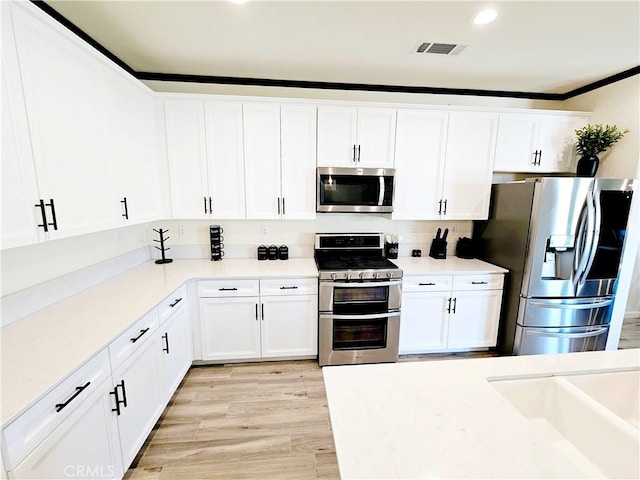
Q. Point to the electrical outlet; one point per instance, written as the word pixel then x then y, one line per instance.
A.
pixel 452 228
pixel 414 229
pixel 181 230
pixel 263 229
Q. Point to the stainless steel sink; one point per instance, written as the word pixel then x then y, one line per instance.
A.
pixel 591 418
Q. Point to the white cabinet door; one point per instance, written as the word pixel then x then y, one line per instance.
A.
pixel 62 87
pixel 230 328
pixel 298 161
pixel 225 155
pixel 138 388
pixel 176 351
pixel 419 163
pixel 473 322
pixel 469 165
pixel 186 151
pixel 289 326
pixel 376 134
pixel 557 143
pixel 337 136
pixel 85 445
pixel 131 144
pixel 423 322
pixel 515 151
pixel 262 160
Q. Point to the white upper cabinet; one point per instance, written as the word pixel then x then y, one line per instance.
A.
pixel 356 137
pixel 466 188
pixel 262 159
pixel 187 155
pixel 62 89
pixel 225 158
pixel 534 142
pixel 280 160
pixel 131 145
pixel 298 161
pixel 419 161
pixel 20 216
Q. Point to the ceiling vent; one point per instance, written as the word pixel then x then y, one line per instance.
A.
pixel 440 48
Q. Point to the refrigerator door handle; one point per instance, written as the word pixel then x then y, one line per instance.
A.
pixel 593 247
pixel 587 232
pixel 573 306
pixel 593 333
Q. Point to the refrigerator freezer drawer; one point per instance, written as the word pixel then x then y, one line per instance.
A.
pixel 564 312
pixel 532 341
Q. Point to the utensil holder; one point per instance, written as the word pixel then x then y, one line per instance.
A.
pixel 391 250
pixel 438 249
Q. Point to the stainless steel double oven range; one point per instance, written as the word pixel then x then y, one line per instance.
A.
pixel 358 299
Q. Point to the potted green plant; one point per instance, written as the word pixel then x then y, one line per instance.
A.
pixel 592 140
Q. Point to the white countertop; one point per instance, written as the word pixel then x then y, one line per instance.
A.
pixel 449 265
pixel 40 350
pixel 443 419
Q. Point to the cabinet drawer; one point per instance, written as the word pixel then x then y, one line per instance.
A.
pixel 427 283
pixel 33 426
pixel 478 282
pixel 229 288
pixel 289 286
pixel 126 343
pixel 172 303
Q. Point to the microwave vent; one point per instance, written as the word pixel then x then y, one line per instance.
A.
pixel 440 48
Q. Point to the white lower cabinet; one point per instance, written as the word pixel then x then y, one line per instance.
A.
pixel 236 324
pixel 137 400
pixel 85 445
pixel 449 313
pixel 176 353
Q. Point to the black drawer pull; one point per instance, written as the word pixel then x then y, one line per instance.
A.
pixel 142 332
pixel 228 289
pixel 429 283
pixel 178 300
pixel 479 283
pixel 60 406
pixel 289 288
pixel 126 208
pixel 455 302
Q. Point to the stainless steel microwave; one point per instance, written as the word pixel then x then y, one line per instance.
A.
pixel 360 190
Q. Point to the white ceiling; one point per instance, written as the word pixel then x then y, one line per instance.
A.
pixel 538 46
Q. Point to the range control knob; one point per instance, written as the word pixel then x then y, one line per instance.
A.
pixel 347 275
pixel 334 276
pixel 376 275
pixel 361 275
pixel 389 275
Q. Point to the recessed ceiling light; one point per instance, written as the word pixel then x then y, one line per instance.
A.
pixel 485 16
pixel 238 1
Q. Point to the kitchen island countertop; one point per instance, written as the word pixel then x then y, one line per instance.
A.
pixel 444 419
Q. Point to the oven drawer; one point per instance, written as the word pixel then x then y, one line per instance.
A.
pixel 289 286
pixel 172 303
pixel 427 283
pixel 492 281
pixel 229 288
pixel 24 434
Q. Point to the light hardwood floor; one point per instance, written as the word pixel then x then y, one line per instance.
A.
pixel 630 335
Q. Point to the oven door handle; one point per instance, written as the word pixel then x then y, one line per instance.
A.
pixel 357 284
pixel 371 316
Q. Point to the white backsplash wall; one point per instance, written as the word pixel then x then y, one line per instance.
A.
pixel 190 238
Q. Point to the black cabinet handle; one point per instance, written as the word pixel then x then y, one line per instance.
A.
pixel 278 205
pixel 44 225
pixel 283 209
pixel 60 406
pixel 479 283
pixel 126 209
pixel 354 153
pixel 210 205
pixel 262 311
pixel 166 339
pixel 142 332
pixel 540 157
pixel 178 300
pixel 445 207
pixel 449 307
pixel 53 214
pixel 118 401
pixel 205 204
pixel 358 154
pixel 227 289
pixel 429 283
pixel 455 301
pixel 289 288
pixel 440 207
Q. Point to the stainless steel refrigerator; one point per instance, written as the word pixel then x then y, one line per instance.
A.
pixel 562 240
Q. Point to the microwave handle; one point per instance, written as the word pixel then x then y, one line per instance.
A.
pixel 381 196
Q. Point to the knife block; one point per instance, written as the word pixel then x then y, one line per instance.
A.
pixel 438 248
